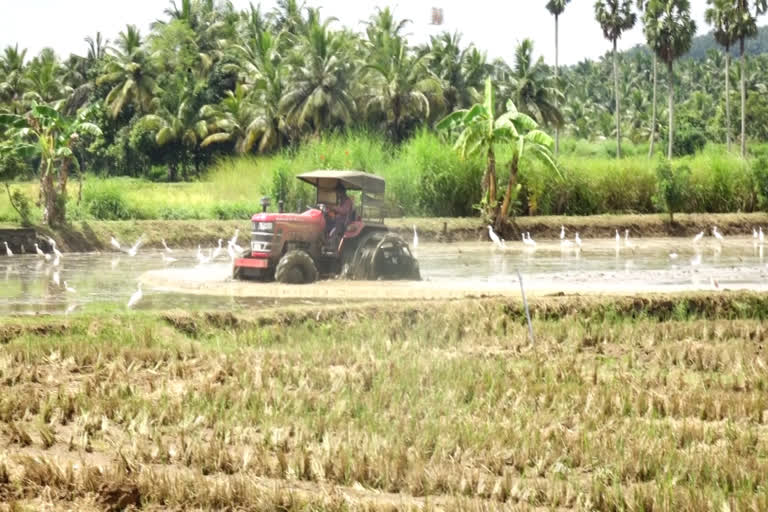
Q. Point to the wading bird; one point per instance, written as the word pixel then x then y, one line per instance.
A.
pixel 56 278
pixel 696 260
pixel 494 237
pixel 618 239
pixel 231 251
pixel 8 250
pixel 136 297
pixel 531 240
pixel 133 250
pixel 717 234
pixel 216 251
pixel 698 237
pixel 562 232
pixel 760 235
pixel 673 255
pixel 167 249
pixel 114 243
pixel 233 240
pixel 56 261
pixel 40 253
pixel 415 238
pixel 527 240
pixel 577 240
pixel 167 259
pixel 68 288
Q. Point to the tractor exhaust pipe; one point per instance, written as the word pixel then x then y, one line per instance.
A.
pixel 265 202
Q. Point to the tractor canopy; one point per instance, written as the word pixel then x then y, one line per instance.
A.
pixel 372 187
pixel 352 180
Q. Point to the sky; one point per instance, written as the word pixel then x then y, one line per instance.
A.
pixel 494 26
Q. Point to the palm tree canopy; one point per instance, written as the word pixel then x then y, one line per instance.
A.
pixel 556 7
pixel 720 14
pixel 614 17
pixel 669 28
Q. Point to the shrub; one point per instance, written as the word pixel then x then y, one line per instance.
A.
pixel 760 176
pixel 673 187
pixel 104 201
pixel 688 141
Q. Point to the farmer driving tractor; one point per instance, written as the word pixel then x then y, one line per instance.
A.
pixel 342 212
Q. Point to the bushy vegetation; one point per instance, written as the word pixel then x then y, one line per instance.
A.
pixel 425 177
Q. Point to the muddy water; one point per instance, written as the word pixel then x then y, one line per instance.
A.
pixel 106 280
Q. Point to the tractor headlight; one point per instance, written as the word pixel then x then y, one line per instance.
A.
pixel 265 226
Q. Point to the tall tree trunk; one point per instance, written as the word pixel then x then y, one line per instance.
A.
pixel 557 81
pixel 743 100
pixel 671 108
pixel 728 97
pixel 491 179
pixel 653 109
pixel 616 94
pixel 508 193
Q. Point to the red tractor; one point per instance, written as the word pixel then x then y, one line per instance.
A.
pixel 301 247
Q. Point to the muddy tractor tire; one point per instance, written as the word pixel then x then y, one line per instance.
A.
pixel 381 255
pixel 296 267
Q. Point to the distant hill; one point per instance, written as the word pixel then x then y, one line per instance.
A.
pixel 701 44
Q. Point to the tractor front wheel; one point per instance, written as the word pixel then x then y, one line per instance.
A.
pixel 296 267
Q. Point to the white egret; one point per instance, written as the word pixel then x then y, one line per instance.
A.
pixel 527 240
pixel 133 250
pixel 717 234
pixel 136 297
pixel 114 263
pixel 56 251
pixel 494 237
pixel 68 288
pixel 216 251
pixel 167 249
pixel 760 235
pixel 562 232
pixel 40 253
pixel 234 237
pixel 673 255
pixel 56 261
pixel 167 259
pixel 754 233
pixel 627 243
pixel 70 308
pixel 530 240
pixel 113 241
pixel 698 237
pixel 231 251
pixel 565 244
pixel 415 238
pixel 56 278
pixel 696 260
pixel 618 238
pixel 8 250
pixel 577 240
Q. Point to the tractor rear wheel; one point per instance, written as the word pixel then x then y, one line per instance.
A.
pixel 381 255
pixel 296 267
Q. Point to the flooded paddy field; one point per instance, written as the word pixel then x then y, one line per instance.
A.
pixel 29 284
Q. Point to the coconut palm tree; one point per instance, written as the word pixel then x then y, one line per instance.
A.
pixel 615 17
pixel 44 77
pixel 399 87
pixel 642 5
pixel 12 78
pixel 745 13
pixel 533 88
pixel 180 127
pixel 237 120
pixel 318 89
pixel 133 73
pixel 720 15
pixel 669 26
pixel 556 8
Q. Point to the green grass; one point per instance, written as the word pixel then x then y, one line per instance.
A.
pixel 442 403
pixel 425 177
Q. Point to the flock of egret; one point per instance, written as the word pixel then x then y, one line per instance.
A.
pixel 54 261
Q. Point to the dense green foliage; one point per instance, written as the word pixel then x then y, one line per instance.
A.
pixel 209 82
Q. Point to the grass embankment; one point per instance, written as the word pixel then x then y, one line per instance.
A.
pixel 94 235
pixel 622 404
pixel 426 178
